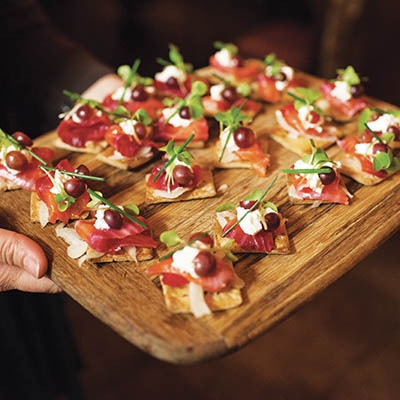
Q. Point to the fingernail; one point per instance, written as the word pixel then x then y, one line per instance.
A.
pixel 31 265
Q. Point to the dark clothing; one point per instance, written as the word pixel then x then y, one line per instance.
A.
pixel 37 64
pixel 38 357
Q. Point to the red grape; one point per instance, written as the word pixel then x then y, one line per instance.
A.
pixel 184 112
pixel 16 160
pixel 204 263
pixel 84 112
pixel 74 187
pixel 23 139
pixel 183 175
pixel 327 178
pixel 202 237
pixel 140 130
pixel 230 94
pixel 247 204
pixel 380 148
pixel 395 130
pixel 139 93
pixel 244 137
pixel 113 219
pixel 273 221
pixel 172 83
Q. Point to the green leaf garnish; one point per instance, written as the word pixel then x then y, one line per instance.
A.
pixel 176 59
pixel 226 206
pixel 382 161
pixel 173 152
pixel 232 48
pixel 170 238
pixel 132 209
pixel 349 75
pixel 192 100
pixel 305 97
pixel 364 118
pixel 173 238
pixel 114 207
pixel 231 120
pixel 273 63
pixel 255 205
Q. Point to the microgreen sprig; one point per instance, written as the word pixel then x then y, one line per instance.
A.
pixel 232 120
pixel 230 47
pixel 114 207
pixel 10 138
pixel 254 206
pixel 171 238
pixel 349 75
pixel 176 59
pixel 119 112
pixel 129 78
pixel 273 63
pixel 317 157
pixel 243 89
pixel 192 100
pixel 176 151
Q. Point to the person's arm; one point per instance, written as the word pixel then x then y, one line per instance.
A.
pixel 23 264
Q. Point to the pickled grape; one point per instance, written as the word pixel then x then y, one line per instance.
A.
pixel 139 93
pixel 395 130
pixel 357 90
pixel 113 219
pixel 16 160
pixel 140 130
pixel 183 175
pixel 247 204
pixel 184 112
pixel 74 187
pixel 84 112
pixel 204 263
pixel 244 137
pixel 23 139
pixel 202 237
pixel 327 178
pixel 82 169
pixel 273 221
pixel 380 148
pixel 172 83
pixel 230 94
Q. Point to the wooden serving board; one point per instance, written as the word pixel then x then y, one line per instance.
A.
pixel 326 242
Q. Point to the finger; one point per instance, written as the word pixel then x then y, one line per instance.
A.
pixel 12 277
pixel 23 252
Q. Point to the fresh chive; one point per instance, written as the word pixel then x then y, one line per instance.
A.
pixel 83 176
pixel 373 133
pixel 255 205
pixel 114 207
pixel 15 141
pixel 173 157
pixel 128 82
pixel 307 171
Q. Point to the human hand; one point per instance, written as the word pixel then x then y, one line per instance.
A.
pixel 23 264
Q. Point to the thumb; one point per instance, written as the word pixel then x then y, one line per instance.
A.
pixel 21 251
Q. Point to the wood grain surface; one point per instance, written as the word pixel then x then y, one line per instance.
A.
pixel 325 241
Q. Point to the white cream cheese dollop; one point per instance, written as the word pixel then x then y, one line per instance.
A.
pixel 341 91
pixel 183 260
pixel 171 71
pixel 224 58
pixel 176 120
pixel 382 123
